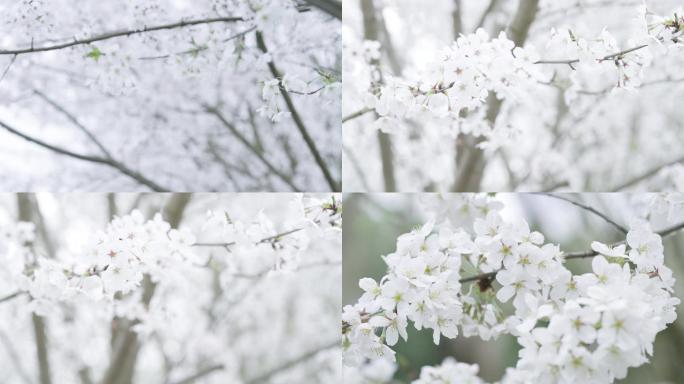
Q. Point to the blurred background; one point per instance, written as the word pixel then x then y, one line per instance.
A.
pixel 372 223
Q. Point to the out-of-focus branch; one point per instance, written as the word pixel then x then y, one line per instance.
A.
pixel 121 368
pixel 646 175
pixel 253 148
pixel 371 32
pixel 611 56
pixel 331 7
pixel 356 114
pixel 298 120
pixel 588 209
pixel 25 209
pixel 457 19
pixel 75 121
pixel 470 160
pixel 16 360
pixel 490 8
pixel 93 159
pixel 11 296
pixel 114 34
pixel 200 374
pixel 263 378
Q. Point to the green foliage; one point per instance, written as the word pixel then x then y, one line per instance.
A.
pixel 95 54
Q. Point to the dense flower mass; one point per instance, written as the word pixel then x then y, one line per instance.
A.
pixel 213 77
pixel 588 328
pixel 513 97
pixel 186 292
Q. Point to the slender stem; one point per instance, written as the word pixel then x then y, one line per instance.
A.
pixel 607 57
pixel 587 208
pixel 120 33
pixel 264 240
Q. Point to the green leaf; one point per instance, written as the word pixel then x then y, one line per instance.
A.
pixel 95 54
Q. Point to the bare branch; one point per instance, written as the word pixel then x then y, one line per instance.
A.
pixel 11 296
pixel 587 208
pixel 646 175
pixel 298 120
pixel 264 240
pixel 263 378
pixel 331 7
pixel 200 374
pixel 253 148
pixel 75 121
pixel 93 159
pixel 25 208
pixel 570 62
pixel 120 33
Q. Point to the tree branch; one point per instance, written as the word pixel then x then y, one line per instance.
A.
pixel 121 368
pixel 11 296
pixel 201 373
pixel 75 121
pixel 120 33
pixel 607 57
pixel 371 32
pixel 587 208
pixel 264 240
pixel 470 160
pixel 263 378
pixel 254 149
pixel 93 159
pixel 25 208
pixel 356 114
pixel 331 7
pixel 298 120
pixel 647 174
pixel 575 255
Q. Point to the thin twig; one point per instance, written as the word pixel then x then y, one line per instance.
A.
pixel 607 57
pixel 255 150
pixel 201 373
pixel 75 121
pixel 114 34
pixel 263 378
pixel 331 7
pixel 194 51
pixel 93 159
pixel 647 174
pixel 11 296
pixel 262 241
pixel 4 73
pixel 298 120
pixel 587 208
pixel 356 114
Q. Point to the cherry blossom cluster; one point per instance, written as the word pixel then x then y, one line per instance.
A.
pixel 458 82
pixel 573 328
pixel 116 260
pixel 456 85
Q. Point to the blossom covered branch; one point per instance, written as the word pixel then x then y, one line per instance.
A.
pixel 572 328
